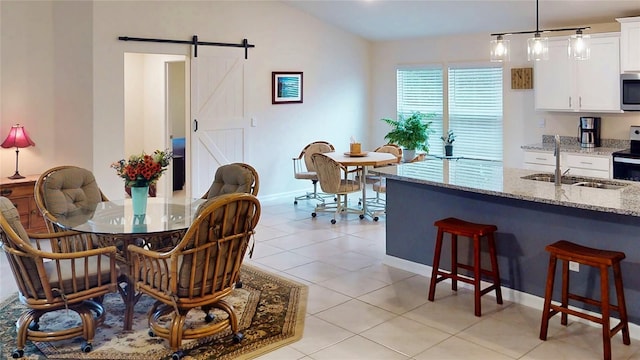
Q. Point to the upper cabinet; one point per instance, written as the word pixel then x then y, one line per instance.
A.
pixel 564 84
pixel 630 44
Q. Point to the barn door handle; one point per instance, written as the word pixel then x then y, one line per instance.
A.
pixel 195 125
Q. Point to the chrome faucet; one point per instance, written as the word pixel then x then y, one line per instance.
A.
pixel 556 153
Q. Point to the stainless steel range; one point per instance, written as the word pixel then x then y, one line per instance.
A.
pixel 626 163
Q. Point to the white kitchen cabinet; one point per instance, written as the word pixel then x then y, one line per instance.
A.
pixel 630 44
pixel 588 165
pixel 598 166
pixel 540 161
pixel 564 84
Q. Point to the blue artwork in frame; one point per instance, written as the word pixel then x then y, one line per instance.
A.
pixel 286 87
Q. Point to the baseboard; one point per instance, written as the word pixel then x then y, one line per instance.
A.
pixel 508 294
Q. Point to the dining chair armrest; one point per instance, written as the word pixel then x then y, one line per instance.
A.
pixel 139 251
pixel 65 241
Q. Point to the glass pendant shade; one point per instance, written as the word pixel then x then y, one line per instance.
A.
pixel 537 48
pixel 500 49
pixel 579 46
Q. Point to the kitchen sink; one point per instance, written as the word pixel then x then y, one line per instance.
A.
pixel 578 181
pixel 567 180
pixel 600 185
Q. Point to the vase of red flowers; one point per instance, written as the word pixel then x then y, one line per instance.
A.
pixel 141 171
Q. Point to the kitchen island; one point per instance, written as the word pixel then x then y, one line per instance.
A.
pixel 529 214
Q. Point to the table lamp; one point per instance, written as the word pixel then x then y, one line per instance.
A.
pixel 17 138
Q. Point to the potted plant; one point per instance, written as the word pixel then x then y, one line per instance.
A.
pixel 412 133
pixel 448 143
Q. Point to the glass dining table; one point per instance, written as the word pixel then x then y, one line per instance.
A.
pixel 113 223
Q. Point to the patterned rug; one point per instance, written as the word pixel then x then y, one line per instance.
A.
pixel 271 312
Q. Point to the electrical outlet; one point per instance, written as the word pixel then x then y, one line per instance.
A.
pixel 574 266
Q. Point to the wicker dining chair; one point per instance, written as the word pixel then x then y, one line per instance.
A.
pixel 65 190
pixel 304 169
pixel 234 178
pixel 333 178
pixel 379 183
pixel 56 271
pixel 200 271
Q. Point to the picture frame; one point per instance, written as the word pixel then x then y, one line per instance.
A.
pixel 286 87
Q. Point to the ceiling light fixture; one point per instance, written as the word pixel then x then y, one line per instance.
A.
pixel 579 46
pixel 537 46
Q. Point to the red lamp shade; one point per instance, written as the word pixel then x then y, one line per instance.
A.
pixel 17 138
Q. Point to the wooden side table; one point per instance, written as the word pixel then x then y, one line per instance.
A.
pixel 20 192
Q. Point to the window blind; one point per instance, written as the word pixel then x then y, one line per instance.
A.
pixel 475 112
pixel 422 90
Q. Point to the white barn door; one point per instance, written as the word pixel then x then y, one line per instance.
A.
pixel 217 111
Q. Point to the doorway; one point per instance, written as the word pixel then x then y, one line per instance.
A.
pixel 156 114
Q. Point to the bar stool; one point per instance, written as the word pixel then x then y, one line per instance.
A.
pixel 457 227
pixel 566 251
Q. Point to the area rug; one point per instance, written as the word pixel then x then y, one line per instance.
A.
pixel 271 312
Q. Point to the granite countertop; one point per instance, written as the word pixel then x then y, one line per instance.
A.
pixel 489 177
pixel 570 144
pixel 550 147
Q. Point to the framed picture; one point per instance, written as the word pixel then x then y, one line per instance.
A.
pixel 286 87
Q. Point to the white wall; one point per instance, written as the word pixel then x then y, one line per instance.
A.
pixel 46 85
pixel 335 65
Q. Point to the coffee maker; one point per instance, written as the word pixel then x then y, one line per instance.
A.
pixel 589 132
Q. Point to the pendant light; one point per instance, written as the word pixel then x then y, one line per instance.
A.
pixel 500 49
pixel 579 46
pixel 538 46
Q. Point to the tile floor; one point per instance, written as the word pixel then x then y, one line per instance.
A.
pixel 359 308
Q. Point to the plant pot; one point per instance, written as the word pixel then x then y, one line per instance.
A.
pixel 408 155
pixel 448 150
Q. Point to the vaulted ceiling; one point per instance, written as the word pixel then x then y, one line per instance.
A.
pixel 379 20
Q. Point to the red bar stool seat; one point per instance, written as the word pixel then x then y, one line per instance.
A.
pixel 566 251
pixel 456 227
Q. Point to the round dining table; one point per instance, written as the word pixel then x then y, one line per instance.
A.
pixel 364 160
pixel 113 223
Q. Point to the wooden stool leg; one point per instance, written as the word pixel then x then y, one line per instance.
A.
pixel 476 274
pixel 604 304
pixel 494 267
pixel 622 306
pixel 565 291
pixel 548 293
pixel 436 265
pixel 454 262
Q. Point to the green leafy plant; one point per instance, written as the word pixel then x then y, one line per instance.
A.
pixel 412 132
pixel 449 139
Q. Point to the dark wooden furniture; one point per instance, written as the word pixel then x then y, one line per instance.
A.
pixel 456 227
pixel 20 192
pixel 566 251
pixel 179 163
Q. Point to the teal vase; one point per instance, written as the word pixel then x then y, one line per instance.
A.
pixel 139 195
